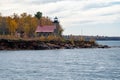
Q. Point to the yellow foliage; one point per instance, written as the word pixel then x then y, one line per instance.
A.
pixel 82 38
pixel 26 28
pixel 23 23
pixel 12 26
pixel 46 21
pixel 42 38
pixel 54 38
pixel 50 37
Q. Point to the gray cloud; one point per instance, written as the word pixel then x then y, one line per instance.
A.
pixel 43 1
pixel 75 13
pixel 101 5
pixel 48 1
pixel 36 2
pixel 71 12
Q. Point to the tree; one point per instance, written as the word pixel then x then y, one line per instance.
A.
pixel 0 19
pixel 15 17
pixel 60 30
pixel 3 26
pixel 24 24
pixel 12 26
pixel 38 15
pixel 0 14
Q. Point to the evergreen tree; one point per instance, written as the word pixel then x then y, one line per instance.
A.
pixel 38 15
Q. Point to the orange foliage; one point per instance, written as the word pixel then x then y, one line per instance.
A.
pixel 24 22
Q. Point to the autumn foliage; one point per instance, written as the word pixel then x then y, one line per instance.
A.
pixel 23 24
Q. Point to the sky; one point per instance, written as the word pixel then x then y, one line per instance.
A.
pixel 77 17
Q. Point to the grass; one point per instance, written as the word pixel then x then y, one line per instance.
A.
pixel 45 39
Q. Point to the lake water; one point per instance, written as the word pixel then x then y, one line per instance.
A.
pixel 110 43
pixel 64 64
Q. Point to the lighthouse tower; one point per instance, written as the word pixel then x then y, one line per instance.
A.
pixel 57 26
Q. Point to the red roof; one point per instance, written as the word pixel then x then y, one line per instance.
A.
pixel 45 29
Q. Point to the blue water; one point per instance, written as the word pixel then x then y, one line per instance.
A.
pixel 64 64
pixel 110 43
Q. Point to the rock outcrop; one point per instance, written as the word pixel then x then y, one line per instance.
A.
pixel 44 45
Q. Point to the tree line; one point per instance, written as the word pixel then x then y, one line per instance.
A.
pixel 24 24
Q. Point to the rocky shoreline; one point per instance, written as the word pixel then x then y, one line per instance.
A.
pixel 6 44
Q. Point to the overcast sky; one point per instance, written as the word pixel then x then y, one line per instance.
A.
pixel 86 17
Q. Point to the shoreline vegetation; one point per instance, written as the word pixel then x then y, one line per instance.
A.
pixel 27 32
pixel 45 43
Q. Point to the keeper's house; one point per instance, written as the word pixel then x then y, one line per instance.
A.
pixel 49 30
